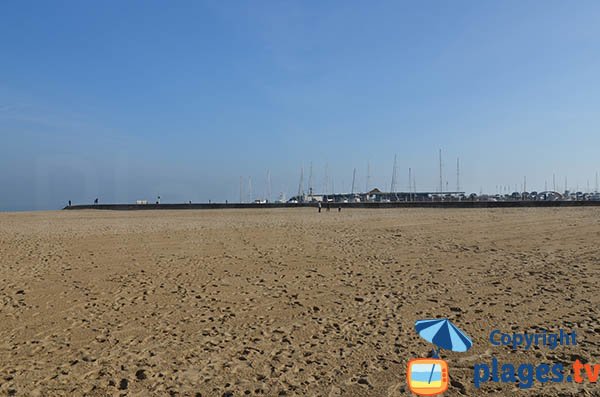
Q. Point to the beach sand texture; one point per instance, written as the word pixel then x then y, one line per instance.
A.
pixel 286 301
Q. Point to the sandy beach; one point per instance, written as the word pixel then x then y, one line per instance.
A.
pixel 286 302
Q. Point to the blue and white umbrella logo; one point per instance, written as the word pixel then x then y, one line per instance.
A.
pixel 443 334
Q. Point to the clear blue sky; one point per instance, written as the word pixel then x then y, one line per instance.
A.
pixel 128 100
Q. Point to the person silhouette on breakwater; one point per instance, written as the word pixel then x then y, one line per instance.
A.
pixel 96 201
pixel 69 203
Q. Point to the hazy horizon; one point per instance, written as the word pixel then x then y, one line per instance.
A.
pixel 128 101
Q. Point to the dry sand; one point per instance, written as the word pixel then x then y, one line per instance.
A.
pixel 285 302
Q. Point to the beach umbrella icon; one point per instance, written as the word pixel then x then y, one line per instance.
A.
pixel 443 334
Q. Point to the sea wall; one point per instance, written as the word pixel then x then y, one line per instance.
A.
pixel 418 204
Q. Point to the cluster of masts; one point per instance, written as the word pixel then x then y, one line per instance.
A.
pixel 306 192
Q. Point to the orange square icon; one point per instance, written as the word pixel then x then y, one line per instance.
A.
pixel 427 376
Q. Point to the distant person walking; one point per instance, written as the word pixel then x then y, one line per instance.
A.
pixel 69 203
pixel 319 205
pixel 96 201
pixel 339 208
